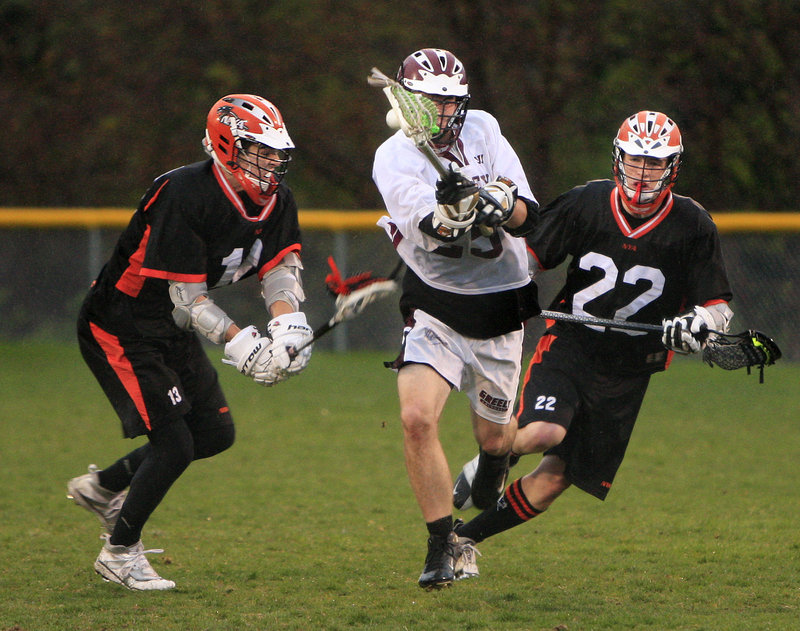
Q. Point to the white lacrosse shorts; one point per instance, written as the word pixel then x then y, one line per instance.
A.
pixel 486 370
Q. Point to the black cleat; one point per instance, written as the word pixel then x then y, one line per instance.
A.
pixel 439 570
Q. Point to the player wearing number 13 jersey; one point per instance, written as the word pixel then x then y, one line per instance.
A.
pixel 465 292
pixel 198 227
pixel 636 251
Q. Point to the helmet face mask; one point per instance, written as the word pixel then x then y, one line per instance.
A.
pixel 439 75
pixel 262 165
pixel 647 156
pixel 246 136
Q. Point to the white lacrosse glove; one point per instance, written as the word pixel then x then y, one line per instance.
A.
pixel 456 198
pixel 289 331
pixel 496 204
pixel 250 354
pixel 687 333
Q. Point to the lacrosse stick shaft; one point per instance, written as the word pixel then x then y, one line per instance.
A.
pixel 591 320
pixel 614 324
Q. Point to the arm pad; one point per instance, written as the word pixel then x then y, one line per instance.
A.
pixel 283 282
pixel 195 311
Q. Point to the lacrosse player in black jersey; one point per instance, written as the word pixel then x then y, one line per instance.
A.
pixel 636 251
pixel 198 227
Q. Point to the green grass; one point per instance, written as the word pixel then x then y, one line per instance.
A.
pixel 308 522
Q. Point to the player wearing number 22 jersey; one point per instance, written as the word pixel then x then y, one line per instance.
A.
pixel 623 268
pixel 637 252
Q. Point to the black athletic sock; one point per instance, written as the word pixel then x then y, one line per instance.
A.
pixel 489 479
pixel 172 451
pixel 118 476
pixel 511 510
pixel 441 527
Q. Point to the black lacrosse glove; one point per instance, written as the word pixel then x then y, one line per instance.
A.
pixel 452 187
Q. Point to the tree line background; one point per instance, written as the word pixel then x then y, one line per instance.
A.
pixel 101 97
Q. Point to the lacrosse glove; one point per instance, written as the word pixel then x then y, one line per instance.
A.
pixel 496 203
pixel 456 198
pixel 250 354
pixel 287 332
pixel 687 333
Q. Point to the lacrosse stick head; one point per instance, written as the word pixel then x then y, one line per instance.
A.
pixel 354 293
pixel 412 112
pixel 351 304
pixel 743 350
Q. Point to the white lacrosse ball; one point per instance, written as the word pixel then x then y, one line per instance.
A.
pixel 391 119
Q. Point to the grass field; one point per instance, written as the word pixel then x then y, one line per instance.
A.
pixel 308 522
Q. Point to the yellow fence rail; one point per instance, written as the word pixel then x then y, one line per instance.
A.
pixel 119 218
pixel 336 220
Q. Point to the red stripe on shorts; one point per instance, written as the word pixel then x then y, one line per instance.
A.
pixel 122 367
pixel 545 342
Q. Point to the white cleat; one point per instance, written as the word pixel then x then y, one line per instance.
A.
pixel 128 566
pixel 466 565
pixel 85 491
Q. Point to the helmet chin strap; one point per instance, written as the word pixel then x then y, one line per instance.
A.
pixel 640 210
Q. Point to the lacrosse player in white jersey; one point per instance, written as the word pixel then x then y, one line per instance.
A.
pixel 466 293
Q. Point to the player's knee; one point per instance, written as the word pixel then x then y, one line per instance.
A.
pixel 537 437
pixel 173 445
pixel 496 444
pixel 418 424
pixel 212 442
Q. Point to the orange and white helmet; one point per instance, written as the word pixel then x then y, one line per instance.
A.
pixel 438 72
pixel 650 135
pixel 237 122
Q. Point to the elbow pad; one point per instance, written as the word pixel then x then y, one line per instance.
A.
pixel 195 311
pixel 283 283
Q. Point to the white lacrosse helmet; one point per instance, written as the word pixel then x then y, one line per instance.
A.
pixel 650 135
pixel 438 72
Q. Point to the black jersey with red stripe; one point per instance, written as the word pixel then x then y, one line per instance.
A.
pixel 623 268
pixel 190 226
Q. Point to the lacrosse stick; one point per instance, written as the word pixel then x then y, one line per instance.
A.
pixel 353 295
pixel 416 115
pixel 728 351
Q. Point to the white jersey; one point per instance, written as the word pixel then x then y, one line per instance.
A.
pixel 407 183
